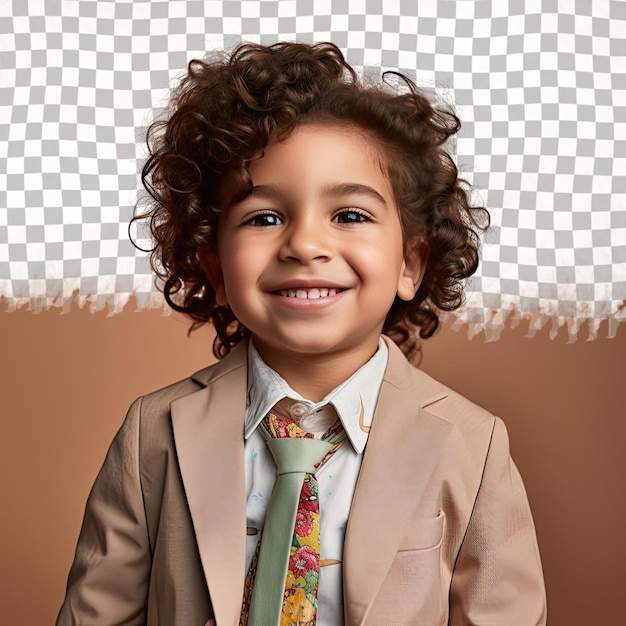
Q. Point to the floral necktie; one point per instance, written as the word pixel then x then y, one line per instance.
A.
pixel 286 561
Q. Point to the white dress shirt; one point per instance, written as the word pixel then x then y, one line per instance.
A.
pixel 354 401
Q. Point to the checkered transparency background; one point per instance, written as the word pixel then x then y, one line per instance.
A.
pixel 539 85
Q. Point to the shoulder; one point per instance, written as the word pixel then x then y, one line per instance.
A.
pixel 433 397
pixel 459 430
pixel 448 405
pixel 158 402
pixel 465 441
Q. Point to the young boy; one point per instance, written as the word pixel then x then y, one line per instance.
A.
pixel 304 213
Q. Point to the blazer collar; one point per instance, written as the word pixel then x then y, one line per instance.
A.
pixel 208 434
pixel 395 479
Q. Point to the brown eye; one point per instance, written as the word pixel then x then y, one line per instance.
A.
pixel 351 216
pixel 263 219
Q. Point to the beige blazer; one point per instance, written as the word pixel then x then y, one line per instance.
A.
pixel 440 530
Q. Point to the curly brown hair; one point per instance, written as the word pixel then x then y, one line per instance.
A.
pixel 227 109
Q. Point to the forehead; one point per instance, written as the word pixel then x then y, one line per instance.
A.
pixel 315 153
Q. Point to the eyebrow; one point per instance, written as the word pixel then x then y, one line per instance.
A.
pixel 348 189
pixel 340 189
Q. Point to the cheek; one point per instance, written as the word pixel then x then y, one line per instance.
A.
pixel 379 264
pixel 238 263
pixel 237 284
pixel 243 264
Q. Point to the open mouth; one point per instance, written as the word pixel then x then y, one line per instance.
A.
pixel 310 294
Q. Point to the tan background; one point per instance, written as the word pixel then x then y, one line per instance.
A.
pixel 67 380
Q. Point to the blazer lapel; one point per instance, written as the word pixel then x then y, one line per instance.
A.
pixel 208 433
pixel 395 476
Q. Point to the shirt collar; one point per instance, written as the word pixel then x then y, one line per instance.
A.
pixel 354 400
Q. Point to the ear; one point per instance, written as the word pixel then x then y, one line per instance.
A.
pixel 413 268
pixel 210 263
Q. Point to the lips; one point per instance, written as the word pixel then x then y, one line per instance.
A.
pixel 313 293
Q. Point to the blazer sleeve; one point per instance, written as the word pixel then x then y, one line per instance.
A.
pixel 108 580
pixel 498 577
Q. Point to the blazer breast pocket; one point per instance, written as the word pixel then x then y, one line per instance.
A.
pixel 412 592
pixel 423 533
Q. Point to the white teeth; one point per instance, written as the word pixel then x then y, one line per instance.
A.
pixel 308 294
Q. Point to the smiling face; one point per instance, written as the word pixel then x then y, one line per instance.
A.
pixel 312 259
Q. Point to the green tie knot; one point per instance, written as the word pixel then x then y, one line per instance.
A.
pixel 298 455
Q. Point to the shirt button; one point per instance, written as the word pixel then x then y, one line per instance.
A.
pixel 298 410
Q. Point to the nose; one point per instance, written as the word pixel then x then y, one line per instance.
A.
pixel 306 240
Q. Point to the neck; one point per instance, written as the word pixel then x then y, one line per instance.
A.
pixel 315 376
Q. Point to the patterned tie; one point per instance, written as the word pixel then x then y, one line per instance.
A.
pixel 282 584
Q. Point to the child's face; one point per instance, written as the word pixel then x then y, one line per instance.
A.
pixel 311 261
